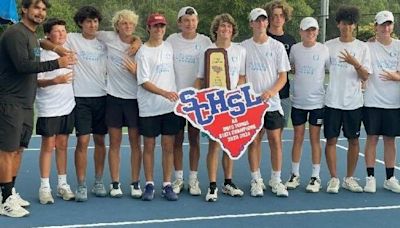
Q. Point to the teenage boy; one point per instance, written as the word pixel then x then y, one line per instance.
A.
pixel 280 12
pixel 382 102
pixel 308 58
pixel 121 105
pixel 187 46
pixel 156 98
pixel 350 63
pixel 223 30
pixel 266 67
pixel 55 103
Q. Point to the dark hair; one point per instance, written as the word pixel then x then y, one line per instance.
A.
pixel 48 25
pixel 27 3
pixel 87 12
pixel 349 14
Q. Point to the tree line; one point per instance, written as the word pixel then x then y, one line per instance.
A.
pixel 239 9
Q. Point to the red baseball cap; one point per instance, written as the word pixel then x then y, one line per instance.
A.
pixel 156 18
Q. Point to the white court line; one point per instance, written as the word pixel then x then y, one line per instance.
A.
pixel 360 154
pixel 205 218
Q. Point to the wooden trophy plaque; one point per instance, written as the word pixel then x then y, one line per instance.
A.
pixel 216 68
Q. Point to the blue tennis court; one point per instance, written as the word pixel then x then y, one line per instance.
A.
pixel 302 209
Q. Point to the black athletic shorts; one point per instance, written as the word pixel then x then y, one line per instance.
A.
pixel 57 125
pixel 380 121
pixel 90 115
pixel 300 116
pixel 153 126
pixel 121 112
pixel 335 119
pixel 16 126
pixel 273 120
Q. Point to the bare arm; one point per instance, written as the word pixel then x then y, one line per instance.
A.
pixel 276 88
pixel 172 96
pixel 61 79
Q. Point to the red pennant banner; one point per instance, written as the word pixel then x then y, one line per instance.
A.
pixel 231 117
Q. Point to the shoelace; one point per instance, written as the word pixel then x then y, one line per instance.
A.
pixel 312 181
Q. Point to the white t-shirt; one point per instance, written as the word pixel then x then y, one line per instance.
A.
pixel 90 70
pixel 120 82
pixel 344 88
pixel 54 100
pixel 380 93
pixel 308 83
pixel 236 63
pixel 155 65
pixel 186 57
pixel 264 62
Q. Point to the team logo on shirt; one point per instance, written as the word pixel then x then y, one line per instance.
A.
pixel 231 117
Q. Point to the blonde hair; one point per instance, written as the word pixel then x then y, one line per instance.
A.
pixel 225 17
pixel 286 8
pixel 124 14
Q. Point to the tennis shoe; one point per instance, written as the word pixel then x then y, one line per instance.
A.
pixel 370 184
pixel 351 184
pixel 392 185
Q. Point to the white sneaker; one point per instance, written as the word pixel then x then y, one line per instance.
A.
pixel 11 208
pixel 351 184
pixel 212 197
pixel 136 191
pixel 314 185
pixel 20 201
pixel 278 188
pixel 194 187
pixel 116 193
pixel 45 196
pixel 177 186
pixel 261 182
pixel 293 182
pixel 392 185
pixel 64 191
pixel 370 184
pixel 333 185
pixel 256 189
pixel 232 190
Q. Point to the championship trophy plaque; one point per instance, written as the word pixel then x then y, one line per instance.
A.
pixel 216 68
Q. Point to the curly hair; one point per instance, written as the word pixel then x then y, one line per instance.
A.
pixel 286 9
pixel 350 14
pixel 225 17
pixel 127 15
pixel 86 12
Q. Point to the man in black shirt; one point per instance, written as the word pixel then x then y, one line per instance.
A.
pixel 20 63
pixel 279 12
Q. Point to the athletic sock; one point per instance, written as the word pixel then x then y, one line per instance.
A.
pixel 296 168
pixel 192 175
pixel 228 181
pixel 179 174
pixel 6 190
pixel 370 171
pixel 316 170
pixel 213 186
pixel 44 183
pixel 62 180
pixel 389 173
pixel 115 184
